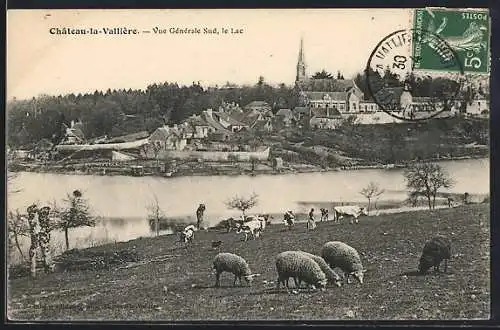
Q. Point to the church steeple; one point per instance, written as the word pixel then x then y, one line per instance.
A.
pixel 301 64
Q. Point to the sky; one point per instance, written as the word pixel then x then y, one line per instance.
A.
pixel 39 62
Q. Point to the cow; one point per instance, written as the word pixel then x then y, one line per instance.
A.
pixel 253 227
pixel 289 219
pixel 351 211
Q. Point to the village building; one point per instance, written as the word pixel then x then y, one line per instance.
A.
pixel 265 125
pixel 229 123
pixel 341 95
pixel 261 107
pixel 73 133
pixel 168 138
pixel 285 117
pixel 325 118
pixel 199 126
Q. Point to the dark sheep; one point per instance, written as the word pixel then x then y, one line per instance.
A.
pixel 435 251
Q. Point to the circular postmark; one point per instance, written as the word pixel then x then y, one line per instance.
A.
pixel 400 88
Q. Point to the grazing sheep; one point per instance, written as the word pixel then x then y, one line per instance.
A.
pixel 345 257
pixel 301 267
pixel 435 251
pixel 331 275
pixel 232 263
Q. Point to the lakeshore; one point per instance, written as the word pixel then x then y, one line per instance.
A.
pixel 195 168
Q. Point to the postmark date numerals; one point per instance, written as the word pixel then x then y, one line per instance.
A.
pixel 399 62
pixel 475 16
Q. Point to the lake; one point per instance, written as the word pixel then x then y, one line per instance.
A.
pixel 128 197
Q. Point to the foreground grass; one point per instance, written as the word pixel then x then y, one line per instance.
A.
pixel 181 286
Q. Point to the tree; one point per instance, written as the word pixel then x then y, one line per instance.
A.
pixel 426 179
pixel 155 214
pixel 323 74
pixel 371 191
pixel 75 214
pixel 242 203
pixel 17 226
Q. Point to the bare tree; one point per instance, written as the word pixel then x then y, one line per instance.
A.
pixel 371 191
pixel 17 225
pixel 155 214
pixel 242 203
pixel 426 179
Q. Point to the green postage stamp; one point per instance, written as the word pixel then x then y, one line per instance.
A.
pixel 465 32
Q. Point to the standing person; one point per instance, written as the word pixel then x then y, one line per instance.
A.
pixel 44 238
pixel 311 223
pixel 289 219
pixel 199 216
pixel 34 227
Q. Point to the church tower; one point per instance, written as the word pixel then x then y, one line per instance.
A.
pixel 301 64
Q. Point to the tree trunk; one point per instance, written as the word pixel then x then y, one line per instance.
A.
pixel 157 226
pixel 66 237
pixel 429 202
pixel 18 246
pixel 433 201
pixel 369 203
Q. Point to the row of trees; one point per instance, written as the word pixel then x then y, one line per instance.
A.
pixel 118 112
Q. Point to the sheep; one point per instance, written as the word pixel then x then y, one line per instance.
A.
pixel 345 257
pixel 331 275
pixel 435 250
pixel 232 263
pixel 297 265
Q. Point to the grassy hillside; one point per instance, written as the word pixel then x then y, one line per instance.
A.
pixel 390 246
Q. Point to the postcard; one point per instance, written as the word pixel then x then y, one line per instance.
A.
pixel 257 164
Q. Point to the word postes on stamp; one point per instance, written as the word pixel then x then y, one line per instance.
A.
pixel 466 32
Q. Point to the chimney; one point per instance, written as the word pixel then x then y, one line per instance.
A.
pixel 209 112
pixel 72 123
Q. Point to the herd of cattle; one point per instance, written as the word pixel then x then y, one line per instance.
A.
pixel 253 225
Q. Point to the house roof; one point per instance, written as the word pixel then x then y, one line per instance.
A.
pixel 335 96
pixel 255 104
pixel 196 121
pixel 326 85
pixel 247 118
pixel 162 133
pixel 129 137
pixel 325 112
pixel 212 122
pixel 284 113
pixel 230 119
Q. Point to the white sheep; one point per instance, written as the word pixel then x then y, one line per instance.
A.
pixel 331 275
pixel 345 257
pixel 232 263
pixel 301 267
